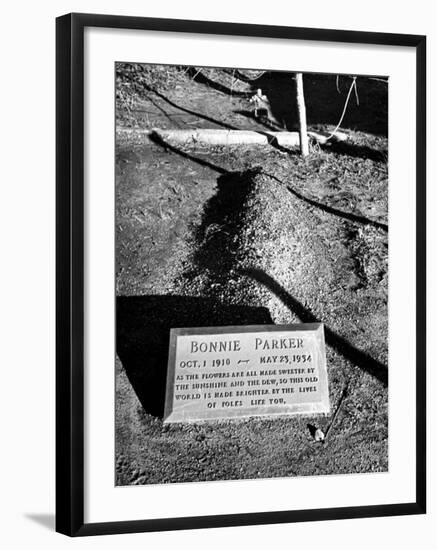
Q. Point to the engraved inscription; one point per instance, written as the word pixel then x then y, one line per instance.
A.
pixel 246 371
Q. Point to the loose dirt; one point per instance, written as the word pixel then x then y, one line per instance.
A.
pixel 250 235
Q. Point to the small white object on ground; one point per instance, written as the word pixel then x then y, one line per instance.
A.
pixel 319 435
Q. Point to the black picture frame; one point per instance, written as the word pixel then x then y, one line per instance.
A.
pixel 70 273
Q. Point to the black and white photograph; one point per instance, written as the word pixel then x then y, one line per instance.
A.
pixel 251 260
pixel 216 285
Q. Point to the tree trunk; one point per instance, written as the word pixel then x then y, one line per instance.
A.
pixel 304 148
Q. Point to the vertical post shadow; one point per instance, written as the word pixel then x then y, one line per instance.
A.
pixel 331 210
pixel 337 342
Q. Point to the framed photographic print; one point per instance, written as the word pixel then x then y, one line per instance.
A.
pixel 240 274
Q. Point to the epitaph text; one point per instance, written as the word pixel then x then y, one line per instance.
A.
pixel 232 372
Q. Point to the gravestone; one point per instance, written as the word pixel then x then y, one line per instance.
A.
pixel 243 371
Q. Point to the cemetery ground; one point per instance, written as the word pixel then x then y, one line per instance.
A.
pixel 238 235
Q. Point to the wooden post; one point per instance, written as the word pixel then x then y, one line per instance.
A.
pixel 303 134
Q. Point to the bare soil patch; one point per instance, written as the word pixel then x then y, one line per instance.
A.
pixel 250 235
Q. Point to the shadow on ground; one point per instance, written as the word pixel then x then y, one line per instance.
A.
pixel 45 520
pixel 218 236
pixel 189 111
pixel 143 332
pixel 337 342
pixel 325 97
pixel 199 76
